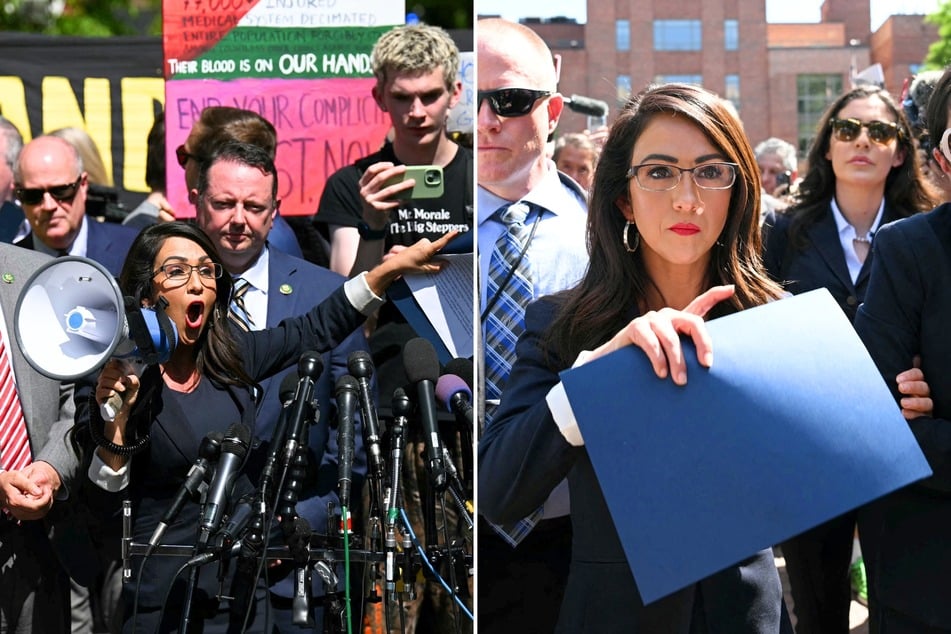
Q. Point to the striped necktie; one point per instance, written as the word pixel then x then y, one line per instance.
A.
pixel 237 311
pixel 510 287
pixel 510 280
pixel 14 439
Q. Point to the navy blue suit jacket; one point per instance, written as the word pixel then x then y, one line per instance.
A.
pixel 294 287
pixel 523 456
pixel 906 536
pixel 820 264
pixel 106 243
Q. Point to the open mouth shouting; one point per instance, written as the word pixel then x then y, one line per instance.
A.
pixel 194 314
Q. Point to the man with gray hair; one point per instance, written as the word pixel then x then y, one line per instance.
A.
pixel 778 165
pixel 11 216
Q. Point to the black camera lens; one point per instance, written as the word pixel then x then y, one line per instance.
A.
pixel 433 177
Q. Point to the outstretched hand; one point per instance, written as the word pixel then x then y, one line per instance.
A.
pixel 658 332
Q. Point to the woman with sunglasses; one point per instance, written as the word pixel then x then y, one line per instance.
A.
pixel 905 535
pixel 863 173
pixel 205 386
pixel 673 234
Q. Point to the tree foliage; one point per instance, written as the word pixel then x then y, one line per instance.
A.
pixel 93 18
pixel 939 53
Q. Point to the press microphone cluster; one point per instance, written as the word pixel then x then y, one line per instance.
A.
pixel 421 365
pixel 234 449
pixel 587 106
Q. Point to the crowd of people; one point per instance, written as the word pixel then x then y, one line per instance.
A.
pixel 627 237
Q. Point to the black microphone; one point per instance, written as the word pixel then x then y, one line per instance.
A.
pixel 298 536
pixel 234 449
pixel 286 393
pixel 208 452
pixel 309 368
pixel 461 368
pixel 347 394
pixel 360 365
pixel 456 396
pixel 422 368
pixel 587 105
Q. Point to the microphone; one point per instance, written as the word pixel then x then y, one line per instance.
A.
pixel 208 452
pixel 360 365
pixel 456 396
pixel 286 393
pixel 298 536
pixel 309 367
pixel 587 105
pixel 234 449
pixel 347 394
pixel 422 368
pixel 461 368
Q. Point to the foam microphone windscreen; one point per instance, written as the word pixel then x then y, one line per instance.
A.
pixel 447 386
pixel 420 361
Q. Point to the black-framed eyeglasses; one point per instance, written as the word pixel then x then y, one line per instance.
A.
pixel 881 132
pixel 60 193
pixel 660 177
pixel 178 273
pixel 511 102
pixel 182 155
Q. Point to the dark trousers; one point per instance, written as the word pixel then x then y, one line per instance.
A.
pixel 817 562
pixel 34 588
pixel 520 589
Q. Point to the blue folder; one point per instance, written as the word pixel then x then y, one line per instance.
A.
pixel 792 426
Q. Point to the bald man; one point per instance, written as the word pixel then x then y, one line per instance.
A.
pixel 521 586
pixel 51 185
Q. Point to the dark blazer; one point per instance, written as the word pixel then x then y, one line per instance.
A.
pixel 821 265
pixel 523 456
pixel 106 242
pixel 296 286
pixel 905 535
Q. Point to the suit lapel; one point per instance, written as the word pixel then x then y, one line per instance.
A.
pixel 825 236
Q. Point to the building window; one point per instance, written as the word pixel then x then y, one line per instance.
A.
pixel 623 86
pixel 677 35
pixel 732 90
pixel 622 35
pixel 814 94
pixel 731 34
pixel 679 79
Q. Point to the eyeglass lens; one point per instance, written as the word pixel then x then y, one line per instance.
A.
pixel 659 177
pixel 34 195
pixel 511 102
pixel 878 131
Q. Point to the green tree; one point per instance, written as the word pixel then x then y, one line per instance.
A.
pixel 939 53
pixel 93 18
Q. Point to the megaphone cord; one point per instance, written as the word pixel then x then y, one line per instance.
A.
pixel 96 431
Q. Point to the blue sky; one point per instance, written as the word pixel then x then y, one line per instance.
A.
pixel 776 10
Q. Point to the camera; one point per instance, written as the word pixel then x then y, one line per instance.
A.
pixel 783 178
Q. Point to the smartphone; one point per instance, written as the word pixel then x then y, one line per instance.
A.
pixel 783 178
pixel 429 182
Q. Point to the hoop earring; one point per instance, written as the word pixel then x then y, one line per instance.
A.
pixel 637 237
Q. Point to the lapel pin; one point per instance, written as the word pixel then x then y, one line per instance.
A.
pixel 7 278
pixel 286 289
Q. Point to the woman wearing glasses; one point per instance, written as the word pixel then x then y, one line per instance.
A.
pixel 907 306
pixel 203 387
pixel 863 173
pixel 674 237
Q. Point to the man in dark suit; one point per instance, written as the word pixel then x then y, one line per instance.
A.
pixel 11 216
pixel 51 185
pixel 236 202
pixel 36 589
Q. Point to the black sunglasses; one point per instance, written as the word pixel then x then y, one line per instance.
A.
pixel 880 132
pixel 511 102
pixel 60 193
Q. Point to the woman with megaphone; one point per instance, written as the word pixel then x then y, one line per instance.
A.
pixel 205 386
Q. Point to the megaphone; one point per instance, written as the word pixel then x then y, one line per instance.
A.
pixel 71 318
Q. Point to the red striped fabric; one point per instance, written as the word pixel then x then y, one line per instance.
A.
pixel 14 440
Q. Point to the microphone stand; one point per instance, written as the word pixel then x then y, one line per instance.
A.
pixel 193 573
pixel 402 407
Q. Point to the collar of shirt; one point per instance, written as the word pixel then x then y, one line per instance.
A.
pixel 77 248
pixel 550 194
pixel 255 300
pixel 847 234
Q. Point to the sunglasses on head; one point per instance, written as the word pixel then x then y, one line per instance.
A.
pixel 511 102
pixel 182 155
pixel 878 131
pixel 60 193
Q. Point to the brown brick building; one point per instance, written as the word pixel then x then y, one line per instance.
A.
pixel 780 76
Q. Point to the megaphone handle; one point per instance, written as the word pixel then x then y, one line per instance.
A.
pixel 110 409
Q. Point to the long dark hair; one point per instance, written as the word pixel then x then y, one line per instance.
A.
pixel 616 283
pixel 217 352
pixel 905 191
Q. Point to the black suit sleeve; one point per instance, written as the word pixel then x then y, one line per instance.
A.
pixel 906 298
pixel 523 455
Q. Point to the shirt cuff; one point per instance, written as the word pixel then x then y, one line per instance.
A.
pixel 561 410
pixel 104 477
pixel 360 295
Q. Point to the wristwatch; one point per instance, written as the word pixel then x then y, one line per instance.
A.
pixel 368 233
